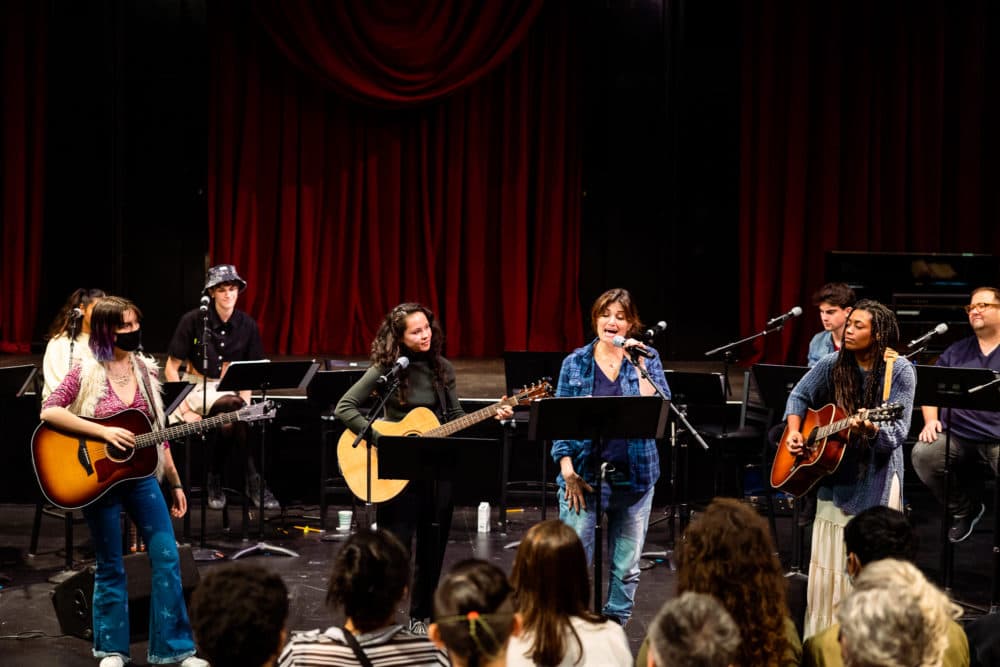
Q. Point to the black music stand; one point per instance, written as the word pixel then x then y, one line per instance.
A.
pixel 598 418
pixel 264 376
pixel 325 389
pixel 172 394
pixel 964 388
pixel 774 384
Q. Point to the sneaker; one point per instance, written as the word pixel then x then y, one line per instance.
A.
pixel 961 526
pixel 418 626
pixel 253 490
pixel 216 497
pixel 113 661
pixel 194 661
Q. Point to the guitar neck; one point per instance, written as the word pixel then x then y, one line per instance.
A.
pixel 837 426
pixel 465 421
pixel 183 430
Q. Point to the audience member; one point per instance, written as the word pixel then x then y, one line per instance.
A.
pixel 894 617
pixel 727 552
pixel 693 630
pixel 871 535
pixel 552 588
pixel 474 615
pixel 238 616
pixel 369 580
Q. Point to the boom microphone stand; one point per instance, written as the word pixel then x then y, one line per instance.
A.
pixel 392 384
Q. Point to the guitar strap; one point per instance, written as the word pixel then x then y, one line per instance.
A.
pixel 442 403
pixel 890 357
pixel 359 652
pixel 147 391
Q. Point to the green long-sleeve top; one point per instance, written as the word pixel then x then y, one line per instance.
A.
pixel 420 392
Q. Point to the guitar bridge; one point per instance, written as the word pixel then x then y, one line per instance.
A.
pixel 83 456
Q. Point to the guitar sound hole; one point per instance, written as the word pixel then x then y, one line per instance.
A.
pixel 118 455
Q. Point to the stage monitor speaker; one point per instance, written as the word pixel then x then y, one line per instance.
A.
pixel 72 598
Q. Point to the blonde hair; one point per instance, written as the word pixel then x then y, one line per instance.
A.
pixel 894 617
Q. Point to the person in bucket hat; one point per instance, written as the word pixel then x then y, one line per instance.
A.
pixel 232 336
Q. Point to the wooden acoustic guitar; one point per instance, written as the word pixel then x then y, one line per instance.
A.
pixel 418 422
pixel 74 470
pixel 825 434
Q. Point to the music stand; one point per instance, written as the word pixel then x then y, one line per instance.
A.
pixel 598 418
pixel 774 384
pixel 264 376
pixel 15 381
pixel 948 388
pixel 172 394
pixel 325 389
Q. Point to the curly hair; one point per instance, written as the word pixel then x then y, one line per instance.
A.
pixel 894 616
pixel 551 583
pixel 80 298
pixel 728 553
pixel 474 611
pixel 388 344
pixel 238 615
pixel 849 392
pixel 370 575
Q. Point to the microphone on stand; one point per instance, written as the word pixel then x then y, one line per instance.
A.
pixel 936 331
pixel 75 314
pixel 620 341
pixel 650 334
pixel 781 319
pixel 204 304
pixel 397 367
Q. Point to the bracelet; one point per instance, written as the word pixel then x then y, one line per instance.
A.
pixel 177 486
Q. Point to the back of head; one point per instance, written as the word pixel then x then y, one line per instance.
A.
pixel 694 630
pixel 551 582
pixel 370 574
pixel 238 615
pixel 474 612
pixel 894 616
pixel 727 552
pixel 64 319
pixel 880 532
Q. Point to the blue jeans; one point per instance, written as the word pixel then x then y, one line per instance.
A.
pixel 628 519
pixel 170 638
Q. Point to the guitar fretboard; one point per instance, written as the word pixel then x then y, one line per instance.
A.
pixel 182 430
pixel 468 420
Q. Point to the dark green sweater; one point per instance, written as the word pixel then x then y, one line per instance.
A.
pixel 420 393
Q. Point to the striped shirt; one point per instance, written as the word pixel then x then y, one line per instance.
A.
pixel 385 647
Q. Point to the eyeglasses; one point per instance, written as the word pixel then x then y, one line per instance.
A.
pixel 980 306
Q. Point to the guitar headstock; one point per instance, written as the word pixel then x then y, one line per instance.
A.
pixel 257 411
pixel 886 412
pixel 540 389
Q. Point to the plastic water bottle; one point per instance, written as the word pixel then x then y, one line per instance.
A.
pixel 484 517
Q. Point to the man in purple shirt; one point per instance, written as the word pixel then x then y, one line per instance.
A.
pixel 975 435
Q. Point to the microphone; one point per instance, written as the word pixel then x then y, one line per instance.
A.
pixel 75 314
pixel 619 341
pixel 204 304
pixel 652 333
pixel 936 331
pixel 397 367
pixel 781 319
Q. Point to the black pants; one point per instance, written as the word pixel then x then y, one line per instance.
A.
pixel 413 514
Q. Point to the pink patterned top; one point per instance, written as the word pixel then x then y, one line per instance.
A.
pixel 64 395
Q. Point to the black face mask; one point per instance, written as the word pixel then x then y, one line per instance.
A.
pixel 130 342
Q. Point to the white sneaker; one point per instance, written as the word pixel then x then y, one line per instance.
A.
pixel 194 661
pixel 113 661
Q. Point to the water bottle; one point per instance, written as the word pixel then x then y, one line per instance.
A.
pixel 484 517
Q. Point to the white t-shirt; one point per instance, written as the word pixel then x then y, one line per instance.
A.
pixel 56 363
pixel 604 645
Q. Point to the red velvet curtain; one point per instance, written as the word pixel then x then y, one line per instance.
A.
pixel 335 210
pixel 22 80
pixel 865 126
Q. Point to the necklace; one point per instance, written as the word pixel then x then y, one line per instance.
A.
pixel 121 379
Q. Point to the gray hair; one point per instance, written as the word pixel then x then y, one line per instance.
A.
pixel 694 630
pixel 894 616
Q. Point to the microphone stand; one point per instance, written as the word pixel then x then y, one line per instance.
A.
pixel 727 355
pixel 204 553
pixel 365 434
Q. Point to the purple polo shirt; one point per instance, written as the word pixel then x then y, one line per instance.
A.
pixel 977 426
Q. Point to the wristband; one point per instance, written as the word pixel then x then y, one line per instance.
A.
pixel 177 486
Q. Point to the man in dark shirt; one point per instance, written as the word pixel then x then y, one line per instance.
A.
pixel 232 336
pixel 974 435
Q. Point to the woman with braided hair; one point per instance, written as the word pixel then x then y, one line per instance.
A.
pixel 474 615
pixel 871 471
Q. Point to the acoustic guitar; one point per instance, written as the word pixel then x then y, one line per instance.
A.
pixel 418 422
pixel 74 470
pixel 825 437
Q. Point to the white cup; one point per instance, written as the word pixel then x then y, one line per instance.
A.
pixel 344 520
